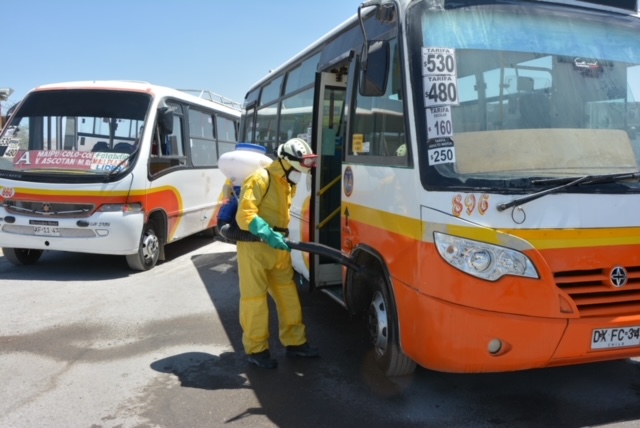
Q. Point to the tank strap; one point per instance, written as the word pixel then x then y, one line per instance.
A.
pixel 283 230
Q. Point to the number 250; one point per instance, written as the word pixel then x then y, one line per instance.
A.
pixel 443 155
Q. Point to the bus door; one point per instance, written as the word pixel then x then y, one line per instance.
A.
pixel 329 137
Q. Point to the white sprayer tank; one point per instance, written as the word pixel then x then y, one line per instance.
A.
pixel 244 160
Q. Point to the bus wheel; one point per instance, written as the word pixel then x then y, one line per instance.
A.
pixel 148 250
pixel 383 334
pixel 22 256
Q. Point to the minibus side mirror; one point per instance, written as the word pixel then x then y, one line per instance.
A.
pixel 375 69
pixel 165 120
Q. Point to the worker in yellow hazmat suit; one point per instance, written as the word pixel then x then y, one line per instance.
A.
pixel 265 267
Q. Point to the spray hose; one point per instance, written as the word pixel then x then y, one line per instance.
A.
pixel 325 250
pixel 236 234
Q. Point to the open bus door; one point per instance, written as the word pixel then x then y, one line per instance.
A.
pixel 328 141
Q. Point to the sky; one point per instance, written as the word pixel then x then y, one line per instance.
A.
pixel 222 46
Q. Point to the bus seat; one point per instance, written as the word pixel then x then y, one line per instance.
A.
pixel 123 147
pixel 100 146
pixel 534 111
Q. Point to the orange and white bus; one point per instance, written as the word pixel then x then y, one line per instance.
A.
pixel 111 167
pixel 479 161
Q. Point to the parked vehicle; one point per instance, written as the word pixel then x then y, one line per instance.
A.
pixel 110 167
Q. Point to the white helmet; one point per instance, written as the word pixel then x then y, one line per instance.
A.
pixel 298 153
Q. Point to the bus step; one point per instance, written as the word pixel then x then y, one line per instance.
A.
pixel 336 294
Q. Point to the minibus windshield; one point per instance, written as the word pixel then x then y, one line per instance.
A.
pixel 73 133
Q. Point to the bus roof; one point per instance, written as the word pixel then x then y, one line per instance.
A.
pixel 205 99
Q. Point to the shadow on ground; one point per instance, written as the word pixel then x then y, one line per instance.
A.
pixel 68 266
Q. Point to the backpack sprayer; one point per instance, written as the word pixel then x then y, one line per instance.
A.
pixel 238 165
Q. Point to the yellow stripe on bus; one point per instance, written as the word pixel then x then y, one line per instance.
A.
pixel 577 238
pixel 541 239
pixel 401 225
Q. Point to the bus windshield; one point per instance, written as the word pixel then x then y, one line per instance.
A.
pixel 73 133
pixel 517 93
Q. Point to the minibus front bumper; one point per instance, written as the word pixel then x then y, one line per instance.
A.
pixel 114 233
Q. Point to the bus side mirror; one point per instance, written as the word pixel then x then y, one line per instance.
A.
pixel 165 120
pixel 375 69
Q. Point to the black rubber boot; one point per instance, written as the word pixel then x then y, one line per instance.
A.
pixel 262 359
pixel 304 351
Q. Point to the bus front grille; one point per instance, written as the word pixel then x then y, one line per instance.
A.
pixel 48 209
pixel 595 295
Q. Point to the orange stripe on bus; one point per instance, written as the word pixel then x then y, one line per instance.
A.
pixel 165 198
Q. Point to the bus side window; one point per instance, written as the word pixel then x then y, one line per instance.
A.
pixel 169 144
pixel 174 144
pixel 202 138
pixel 379 122
pixel 167 150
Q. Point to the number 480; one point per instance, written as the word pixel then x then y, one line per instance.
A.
pixel 443 92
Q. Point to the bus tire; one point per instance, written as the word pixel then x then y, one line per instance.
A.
pixel 148 250
pixel 22 256
pixel 383 334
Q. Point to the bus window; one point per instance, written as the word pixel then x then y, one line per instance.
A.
pixel 271 92
pixel 203 144
pixel 379 123
pixel 266 132
pixel 169 147
pixel 303 75
pixel 296 116
pixel 227 134
pixel 248 125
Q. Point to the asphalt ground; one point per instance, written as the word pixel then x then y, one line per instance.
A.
pixel 85 342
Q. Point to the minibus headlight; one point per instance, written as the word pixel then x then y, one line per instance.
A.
pixel 486 261
pixel 124 208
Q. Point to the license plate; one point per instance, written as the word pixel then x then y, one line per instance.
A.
pixel 46 231
pixel 620 337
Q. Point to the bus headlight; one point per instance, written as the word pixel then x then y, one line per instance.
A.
pixel 486 261
pixel 124 208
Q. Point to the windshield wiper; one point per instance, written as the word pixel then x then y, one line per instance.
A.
pixel 117 167
pixel 567 183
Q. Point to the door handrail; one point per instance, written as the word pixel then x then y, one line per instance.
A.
pixel 330 217
pixel 329 186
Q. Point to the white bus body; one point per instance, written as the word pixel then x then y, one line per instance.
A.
pixel 479 161
pixel 110 167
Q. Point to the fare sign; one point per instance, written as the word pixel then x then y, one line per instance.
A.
pixel 439 74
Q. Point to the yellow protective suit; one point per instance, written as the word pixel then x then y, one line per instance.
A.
pixel 263 269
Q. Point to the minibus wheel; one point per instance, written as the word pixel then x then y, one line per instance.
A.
pixel 383 334
pixel 22 256
pixel 148 250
